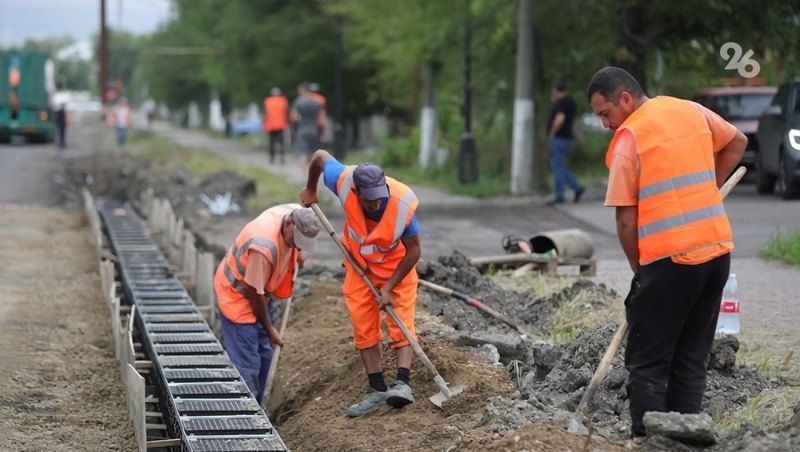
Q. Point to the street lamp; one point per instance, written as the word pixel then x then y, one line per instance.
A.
pixel 467 162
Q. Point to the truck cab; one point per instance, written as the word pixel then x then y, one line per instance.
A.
pixel 27 82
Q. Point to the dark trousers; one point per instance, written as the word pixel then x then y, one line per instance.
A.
pixel 275 141
pixel 62 135
pixel 672 312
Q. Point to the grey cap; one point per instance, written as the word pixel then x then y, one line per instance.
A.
pixel 306 228
pixel 370 181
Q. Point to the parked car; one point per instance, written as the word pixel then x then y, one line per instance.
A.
pixel 779 135
pixel 741 106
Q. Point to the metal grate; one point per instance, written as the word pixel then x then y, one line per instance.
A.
pixel 226 389
pixel 195 361
pixel 177 327
pixel 227 424
pixel 160 294
pixel 170 318
pixel 188 349
pixel 236 443
pixel 168 338
pixel 211 407
pixel 168 309
pixel 197 375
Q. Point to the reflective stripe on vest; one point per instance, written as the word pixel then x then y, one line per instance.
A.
pixel 681 220
pixel 677 182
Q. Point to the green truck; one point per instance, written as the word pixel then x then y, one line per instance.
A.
pixel 27 83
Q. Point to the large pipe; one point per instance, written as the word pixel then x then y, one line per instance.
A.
pixel 565 242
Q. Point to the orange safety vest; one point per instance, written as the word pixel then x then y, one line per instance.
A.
pixel 276 115
pixel 680 207
pixel 262 235
pixel 376 246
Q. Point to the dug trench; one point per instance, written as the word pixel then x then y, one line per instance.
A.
pixel 521 390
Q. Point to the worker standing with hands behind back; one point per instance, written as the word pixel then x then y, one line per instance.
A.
pixel 257 269
pixel 381 233
pixel 666 162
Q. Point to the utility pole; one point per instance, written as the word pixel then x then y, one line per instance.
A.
pixel 522 150
pixel 338 97
pixel 467 162
pixel 103 57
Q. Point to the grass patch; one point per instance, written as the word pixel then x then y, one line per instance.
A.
pixel 573 315
pixel 784 247
pixel 163 153
pixel 774 407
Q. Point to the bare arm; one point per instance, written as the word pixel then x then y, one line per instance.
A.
pixel 413 252
pixel 309 195
pixel 627 217
pixel 558 121
pixel 728 157
pixel 259 304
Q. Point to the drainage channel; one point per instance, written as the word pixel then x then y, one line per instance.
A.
pixel 203 399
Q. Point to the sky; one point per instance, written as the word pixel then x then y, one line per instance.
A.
pixel 40 19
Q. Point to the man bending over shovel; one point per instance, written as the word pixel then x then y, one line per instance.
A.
pixel 381 233
pixel 666 162
pixel 257 268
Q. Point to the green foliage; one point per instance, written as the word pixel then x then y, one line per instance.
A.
pixel 784 247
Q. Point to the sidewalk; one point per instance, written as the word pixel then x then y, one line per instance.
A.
pixel 430 198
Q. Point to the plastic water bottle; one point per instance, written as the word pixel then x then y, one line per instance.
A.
pixel 729 322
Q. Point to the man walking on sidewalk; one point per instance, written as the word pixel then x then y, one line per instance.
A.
pixel 666 162
pixel 257 269
pixel 559 136
pixel 381 233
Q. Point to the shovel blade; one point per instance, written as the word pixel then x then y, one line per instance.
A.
pixel 440 396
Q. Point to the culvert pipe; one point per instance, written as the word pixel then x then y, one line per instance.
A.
pixel 565 242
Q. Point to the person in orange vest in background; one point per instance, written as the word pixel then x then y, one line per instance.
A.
pixel 276 121
pixel 381 232
pixel 256 270
pixel 666 161
pixel 120 119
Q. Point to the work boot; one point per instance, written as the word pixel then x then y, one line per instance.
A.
pixel 372 401
pixel 399 394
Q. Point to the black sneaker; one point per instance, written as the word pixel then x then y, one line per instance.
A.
pixel 579 194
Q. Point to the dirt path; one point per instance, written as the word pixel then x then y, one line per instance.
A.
pixel 61 388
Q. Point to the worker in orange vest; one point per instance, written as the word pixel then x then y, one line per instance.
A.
pixel 666 163
pixel 310 121
pixel 276 121
pixel 315 92
pixel 257 270
pixel 381 232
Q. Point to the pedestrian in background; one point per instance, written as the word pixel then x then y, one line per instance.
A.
pixel 121 119
pixel 276 122
pixel 666 161
pixel 310 121
pixel 61 121
pixel 560 136
pixel 258 269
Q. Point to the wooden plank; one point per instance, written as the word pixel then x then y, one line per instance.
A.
pixel 116 328
pixel 176 242
pixel 522 258
pixel 134 384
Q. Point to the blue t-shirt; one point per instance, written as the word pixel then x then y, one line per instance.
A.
pixel 330 176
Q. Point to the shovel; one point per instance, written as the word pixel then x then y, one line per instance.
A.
pixel 472 302
pixel 276 353
pixel 576 424
pixel 445 393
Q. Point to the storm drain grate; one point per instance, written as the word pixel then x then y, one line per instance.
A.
pixel 155 284
pixel 168 309
pixel 218 389
pixel 197 375
pixel 163 301
pixel 177 327
pixel 236 443
pixel 168 338
pixel 188 349
pixel 194 361
pixel 212 407
pixel 171 318
pixel 160 294
pixel 228 424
